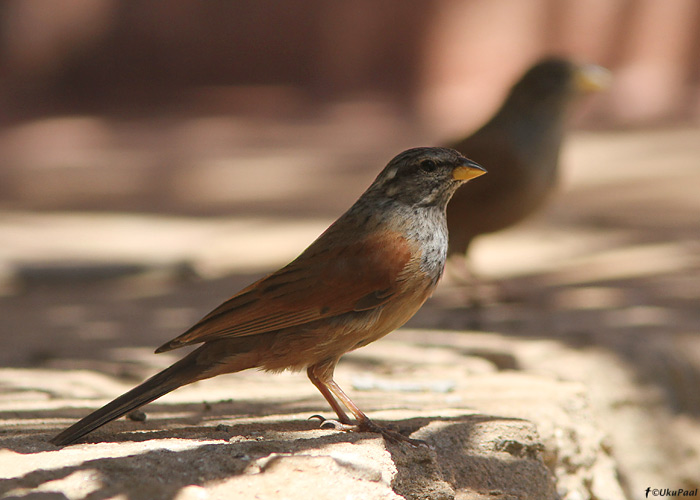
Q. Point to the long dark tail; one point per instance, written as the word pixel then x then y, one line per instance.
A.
pixel 181 373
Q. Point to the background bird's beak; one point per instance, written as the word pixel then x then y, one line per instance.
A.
pixel 468 170
pixel 592 78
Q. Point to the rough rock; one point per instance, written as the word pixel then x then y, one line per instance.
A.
pixel 492 434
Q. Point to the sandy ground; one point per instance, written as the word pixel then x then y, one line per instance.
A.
pixel 612 268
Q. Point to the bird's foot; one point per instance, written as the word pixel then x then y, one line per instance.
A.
pixel 369 426
pixel 327 423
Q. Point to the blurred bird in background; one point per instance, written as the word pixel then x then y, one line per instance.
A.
pixel 520 147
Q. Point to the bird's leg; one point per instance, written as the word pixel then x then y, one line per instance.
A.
pixel 460 269
pixel 321 375
pixel 471 287
pixel 479 291
pixel 323 389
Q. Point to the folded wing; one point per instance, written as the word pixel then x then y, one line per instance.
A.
pixel 322 282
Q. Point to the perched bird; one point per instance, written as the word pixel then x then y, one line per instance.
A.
pixel 365 276
pixel 520 147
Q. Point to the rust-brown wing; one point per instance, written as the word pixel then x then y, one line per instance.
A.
pixel 322 282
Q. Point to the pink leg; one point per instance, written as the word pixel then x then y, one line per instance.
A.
pixel 321 375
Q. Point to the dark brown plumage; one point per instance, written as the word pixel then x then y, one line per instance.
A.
pixel 520 147
pixel 365 276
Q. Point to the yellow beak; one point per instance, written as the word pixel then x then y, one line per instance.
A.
pixel 468 170
pixel 592 78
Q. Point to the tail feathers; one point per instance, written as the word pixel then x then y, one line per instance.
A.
pixel 181 373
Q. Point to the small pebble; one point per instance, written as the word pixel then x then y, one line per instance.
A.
pixel 137 416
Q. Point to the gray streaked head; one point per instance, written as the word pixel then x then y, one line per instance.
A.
pixel 424 176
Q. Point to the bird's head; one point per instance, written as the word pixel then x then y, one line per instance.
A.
pixel 424 176
pixel 556 81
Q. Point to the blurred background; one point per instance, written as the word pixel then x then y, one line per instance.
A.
pixel 139 106
pixel 157 156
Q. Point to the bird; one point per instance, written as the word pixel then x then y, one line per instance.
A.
pixel 363 277
pixel 520 146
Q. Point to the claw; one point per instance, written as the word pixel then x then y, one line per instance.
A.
pixel 390 435
pixel 335 425
pixel 327 423
pixel 369 426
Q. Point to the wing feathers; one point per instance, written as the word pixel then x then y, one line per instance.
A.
pixel 317 285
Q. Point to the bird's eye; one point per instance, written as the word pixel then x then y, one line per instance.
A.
pixel 428 166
